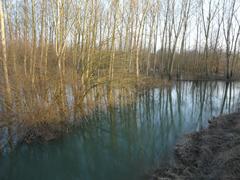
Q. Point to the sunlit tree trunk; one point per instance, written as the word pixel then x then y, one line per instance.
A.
pixel 139 31
pixel 26 21
pixel 42 42
pixel 12 36
pixel 4 59
pixel 155 43
pixel 34 44
pixel 150 42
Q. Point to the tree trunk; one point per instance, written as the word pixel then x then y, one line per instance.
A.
pixel 4 59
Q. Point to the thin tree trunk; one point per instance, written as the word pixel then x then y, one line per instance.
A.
pixel 4 59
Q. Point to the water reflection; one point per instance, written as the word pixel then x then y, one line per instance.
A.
pixel 128 140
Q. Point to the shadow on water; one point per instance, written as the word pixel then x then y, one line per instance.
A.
pixel 128 140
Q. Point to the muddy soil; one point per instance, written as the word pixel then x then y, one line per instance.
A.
pixel 212 153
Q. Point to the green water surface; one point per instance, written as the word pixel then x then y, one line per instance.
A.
pixel 126 142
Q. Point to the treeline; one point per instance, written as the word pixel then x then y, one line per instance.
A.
pixel 49 45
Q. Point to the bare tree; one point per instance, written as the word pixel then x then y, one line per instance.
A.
pixel 4 58
pixel 228 17
pixel 175 29
pixel 207 23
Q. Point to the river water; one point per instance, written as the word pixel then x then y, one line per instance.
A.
pixel 128 141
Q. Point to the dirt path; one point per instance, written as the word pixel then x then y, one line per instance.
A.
pixel 213 153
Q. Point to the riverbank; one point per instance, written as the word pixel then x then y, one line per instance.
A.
pixel 212 153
